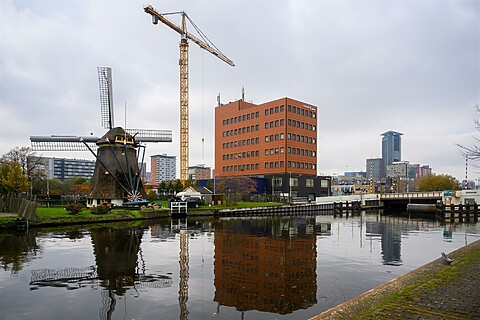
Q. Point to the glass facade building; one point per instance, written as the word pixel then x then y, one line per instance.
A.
pixel 391 148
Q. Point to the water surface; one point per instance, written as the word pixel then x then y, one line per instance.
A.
pixel 238 268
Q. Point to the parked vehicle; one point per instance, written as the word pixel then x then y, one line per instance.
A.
pixel 193 202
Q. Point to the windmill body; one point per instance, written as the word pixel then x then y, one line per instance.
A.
pixel 117 177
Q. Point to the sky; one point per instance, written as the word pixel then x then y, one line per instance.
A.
pixel 369 67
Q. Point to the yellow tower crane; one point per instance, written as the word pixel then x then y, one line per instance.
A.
pixel 204 44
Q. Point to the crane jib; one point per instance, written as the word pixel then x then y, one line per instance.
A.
pixel 157 16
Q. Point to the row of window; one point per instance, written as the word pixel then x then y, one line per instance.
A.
pixel 240 155
pixel 234 132
pixel 244 117
pixel 240 143
pixel 271 124
pixel 278 182
pixel 302 125
pixel 243 167
pixel 290 136
pixel 56 170
pixel 276 123
pixel 281 150
pixel 302 152
pixel 271 151
pixel 273 110
pixel 290 164
pixel 269 165
pixel 302 111
pixel 270 138
pixel 297 137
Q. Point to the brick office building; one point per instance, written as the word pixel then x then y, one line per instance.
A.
pixel 276 140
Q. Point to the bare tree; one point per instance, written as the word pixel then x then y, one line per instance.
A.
pixel 472 153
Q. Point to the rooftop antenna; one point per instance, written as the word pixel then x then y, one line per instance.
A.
pixel 243 93
pixel 218 100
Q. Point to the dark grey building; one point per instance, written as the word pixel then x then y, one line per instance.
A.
pixel 375 168
pixel 298 186
pixel 391 148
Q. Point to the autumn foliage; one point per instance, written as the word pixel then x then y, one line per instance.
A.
pixel 438 182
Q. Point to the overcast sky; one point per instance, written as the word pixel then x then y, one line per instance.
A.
pixel 369 67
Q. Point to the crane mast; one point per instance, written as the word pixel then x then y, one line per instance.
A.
pixel 184 112
pixel 184 84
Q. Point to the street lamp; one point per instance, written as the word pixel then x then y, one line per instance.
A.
pixel 290 187
pixel 273 185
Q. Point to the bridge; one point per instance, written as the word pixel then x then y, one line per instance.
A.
pixel 401 200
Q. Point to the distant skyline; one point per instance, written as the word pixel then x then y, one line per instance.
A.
pixel 369 66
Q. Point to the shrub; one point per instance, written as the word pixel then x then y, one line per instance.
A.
pixel 101 209
pixel 74 208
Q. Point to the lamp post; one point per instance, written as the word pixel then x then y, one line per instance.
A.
pixel 273 186
pixel 290 187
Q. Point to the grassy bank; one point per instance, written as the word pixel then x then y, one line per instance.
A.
pixel 59 216
pixel 409 297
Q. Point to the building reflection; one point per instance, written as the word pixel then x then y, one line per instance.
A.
pixel 391 240
pixel 267 265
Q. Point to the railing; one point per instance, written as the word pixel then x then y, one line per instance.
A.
pixel 178 206
pixel 412 195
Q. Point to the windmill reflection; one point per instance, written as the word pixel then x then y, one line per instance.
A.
pixel 266 264
pixel 117 253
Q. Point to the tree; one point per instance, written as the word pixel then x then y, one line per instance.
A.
pixel 162 187
pixel 178 186
pixel 12 179
pixel 473 152
pixel 434 182
pixel 32 166
pixel 235 188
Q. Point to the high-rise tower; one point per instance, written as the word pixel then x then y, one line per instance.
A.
pixel 391 148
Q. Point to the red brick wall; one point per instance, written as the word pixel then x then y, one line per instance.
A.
pixel 233 138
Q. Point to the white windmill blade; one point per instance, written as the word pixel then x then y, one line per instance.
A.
pixel 63 143
pixel 150 135
pixel 106 96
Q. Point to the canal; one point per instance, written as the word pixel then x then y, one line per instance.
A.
pixel 201 268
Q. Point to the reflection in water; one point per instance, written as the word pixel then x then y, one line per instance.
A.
pixel 116 252
pixel 181 227
pixel 264 268
pixel 16 250
pixel 116 255
pixel 391 240
pixel 266 264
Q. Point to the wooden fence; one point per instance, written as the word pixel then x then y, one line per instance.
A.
pixel 24 208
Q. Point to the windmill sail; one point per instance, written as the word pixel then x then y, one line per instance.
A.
pixel 117 177
pixel 106 96
pixel 63 143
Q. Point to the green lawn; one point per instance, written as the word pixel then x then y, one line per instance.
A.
pixel 58 215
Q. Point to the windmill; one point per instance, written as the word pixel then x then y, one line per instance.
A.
pixel 117 177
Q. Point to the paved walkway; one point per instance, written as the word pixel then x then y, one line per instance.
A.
pixel 433 291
